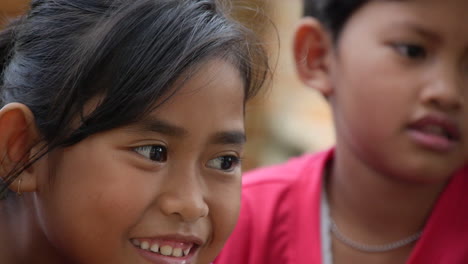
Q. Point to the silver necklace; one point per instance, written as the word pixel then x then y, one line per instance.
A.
pixel 372 248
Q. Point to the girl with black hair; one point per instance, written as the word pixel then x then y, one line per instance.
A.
pixel 122 130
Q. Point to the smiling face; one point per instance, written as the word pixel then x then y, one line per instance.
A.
pixel 399 75
pixel 166 185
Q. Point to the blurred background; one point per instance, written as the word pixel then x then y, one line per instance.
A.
pixel 287 119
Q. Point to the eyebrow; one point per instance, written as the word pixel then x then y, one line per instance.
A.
pixel 233 137
pixel 420 30
pixel 160 126
pixel 229 138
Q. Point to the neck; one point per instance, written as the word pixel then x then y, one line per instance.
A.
pixel 21 240
pixel 371 206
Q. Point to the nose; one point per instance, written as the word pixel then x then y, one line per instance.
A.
pixel 184 198
pixel 445 91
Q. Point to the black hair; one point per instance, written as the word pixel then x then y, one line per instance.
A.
pixel 333 14
pixel 126 53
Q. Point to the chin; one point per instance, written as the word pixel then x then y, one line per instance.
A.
pixel 426 176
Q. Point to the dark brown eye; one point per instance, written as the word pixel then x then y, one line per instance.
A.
pixel 153 152
pixel 224 163
pixel 411 51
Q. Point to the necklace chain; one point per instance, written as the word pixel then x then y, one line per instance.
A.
pixel 372 248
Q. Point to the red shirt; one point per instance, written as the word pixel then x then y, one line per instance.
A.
pixel 280 218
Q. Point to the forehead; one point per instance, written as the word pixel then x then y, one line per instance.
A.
pixel 444 11
pixel 448 17
pixel 214 94
pixel 216 79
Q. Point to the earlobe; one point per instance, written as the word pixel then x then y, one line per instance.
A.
pixel 311 51
pixel 18 135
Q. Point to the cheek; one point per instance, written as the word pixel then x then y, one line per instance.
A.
pixel 370 107
pixel 224 212
pixel 374 91
pixel 92 201
pixel 225 207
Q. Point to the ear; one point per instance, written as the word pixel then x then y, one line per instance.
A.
pixel 311 53
pixel 18 135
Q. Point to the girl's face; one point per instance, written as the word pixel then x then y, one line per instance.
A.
pixel 400 79
pixel 164 190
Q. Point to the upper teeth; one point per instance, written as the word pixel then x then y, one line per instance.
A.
pixel 155 248
pixel 165 250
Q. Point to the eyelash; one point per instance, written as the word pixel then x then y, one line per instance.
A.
pixel 155 153
pixel 232 161
pixel 158 153
pixel 411 51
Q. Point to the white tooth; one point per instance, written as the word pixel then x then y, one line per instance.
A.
pixel 155 248
pixel 166 250
pixel 186 252
pixel 177 252
pixel 136 242
pixel 144 245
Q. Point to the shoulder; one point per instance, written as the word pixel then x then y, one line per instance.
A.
pixel 464 172
pixel 282 184
pixel 272 194
pixel 288 173
pixel 274 189
pixel 275 202
pixel 446 232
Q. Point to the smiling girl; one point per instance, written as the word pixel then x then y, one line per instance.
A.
pixel 121 131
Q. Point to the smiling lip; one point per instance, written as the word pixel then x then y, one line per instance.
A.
pixel 435 132
pixel 189 245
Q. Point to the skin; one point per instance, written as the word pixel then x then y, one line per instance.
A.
pixel 394 63
pixel 84 203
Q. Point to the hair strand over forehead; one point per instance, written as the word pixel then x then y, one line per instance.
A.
pixel 65 53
